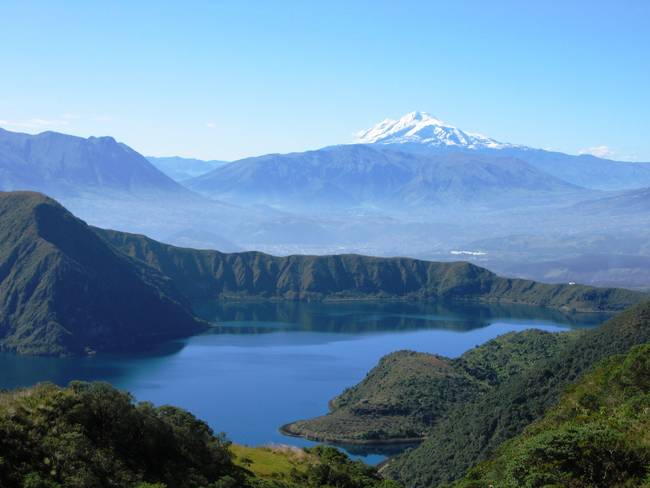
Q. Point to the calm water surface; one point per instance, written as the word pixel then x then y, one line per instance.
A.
pixel 267 364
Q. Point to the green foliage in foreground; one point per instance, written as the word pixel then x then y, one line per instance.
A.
pixel 469 434
pixel 91 435
pixel 597 436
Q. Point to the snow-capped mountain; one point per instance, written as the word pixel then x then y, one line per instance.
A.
pixel 422 128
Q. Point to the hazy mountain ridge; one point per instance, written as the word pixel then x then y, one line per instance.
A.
pixel 626 202
pixel 180 169
pixel 380 199
pixel 420 133
pixel 371 175
pixel 63 165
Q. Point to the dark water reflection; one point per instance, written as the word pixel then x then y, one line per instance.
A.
pixel 364 317
pixel 266 364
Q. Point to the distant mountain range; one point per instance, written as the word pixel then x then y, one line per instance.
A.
pixel 417 160
pixel 627 202
pixel 64 165
pixel 417 187
pixel 375 176
pixel 413 161
pixel 420 133
pixel 180 169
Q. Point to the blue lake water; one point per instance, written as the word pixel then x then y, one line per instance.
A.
pixel 267 364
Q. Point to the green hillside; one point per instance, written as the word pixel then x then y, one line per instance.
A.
pixel 204 275
pixel 404 396
pixel 92 435
pixel 64 290
pixel 469 433
pixel 597 436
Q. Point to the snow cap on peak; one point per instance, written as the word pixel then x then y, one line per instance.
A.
pixel 422 128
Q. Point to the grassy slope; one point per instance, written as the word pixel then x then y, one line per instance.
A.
pixel 598 435
pixel 403 397
pixel 212 274
pixel 468 434
pixel 272 462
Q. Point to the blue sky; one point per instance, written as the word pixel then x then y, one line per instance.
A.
pixel 225 80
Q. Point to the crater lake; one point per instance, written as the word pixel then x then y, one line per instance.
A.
pixel 265 364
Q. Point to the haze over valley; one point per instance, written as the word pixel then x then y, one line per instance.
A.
pixel 415 187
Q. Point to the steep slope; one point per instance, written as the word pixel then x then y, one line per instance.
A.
pixel 180 169
pixel 408 392
pixel 468 434
pixel 358 175
pixel 596 436
pixel 62 165
pixel 215 275
pixel 64 290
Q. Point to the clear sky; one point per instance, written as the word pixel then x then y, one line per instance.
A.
pixel 223 80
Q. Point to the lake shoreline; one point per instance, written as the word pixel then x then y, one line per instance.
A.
pixel 411 298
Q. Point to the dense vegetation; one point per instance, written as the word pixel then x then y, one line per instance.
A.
pixel 597 436
pixel 91 435
pixel 469 433
pixel 212 274
pixel 65 290
pixel 408 392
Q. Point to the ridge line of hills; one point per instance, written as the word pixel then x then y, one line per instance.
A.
pixel 204 274
pixel 68 288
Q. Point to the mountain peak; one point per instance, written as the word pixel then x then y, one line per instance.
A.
pixel 422 128
pixel 422 117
